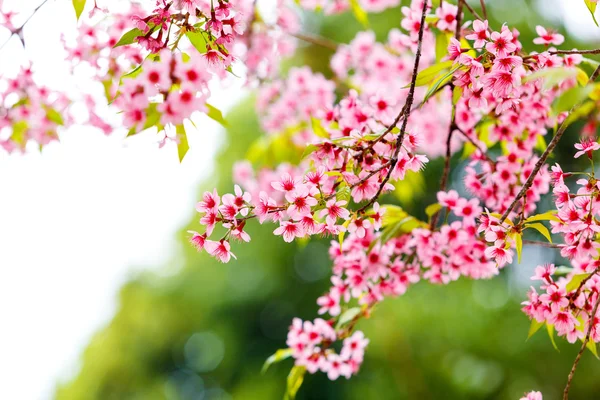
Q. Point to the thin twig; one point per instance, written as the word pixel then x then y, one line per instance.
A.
pixel 583 346
pixel 472 11
pixel 451 127
pixel 477 146
pixel 483 10
pixel 542 160
pixel 19 30
pixel 542 244
pixel 459 15
pixel 316 40
pixel 582 284
pixel 406 108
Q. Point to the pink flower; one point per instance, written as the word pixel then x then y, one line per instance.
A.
pixel 501 255
pixel 334 210
pixel 447 17
pixel 532 396
pixel 544 273
pixel 197 240
pixel 501 43
pixel 330 303
pixel 448 199
pixel 454 49
pixel 210 202
pixel 563 321
pixel 548 37
pixel 480 33
pixel 335 366
pixel 300 203
pixel 286 183
pixel 289 230
pixel 220 250
pixel 586 146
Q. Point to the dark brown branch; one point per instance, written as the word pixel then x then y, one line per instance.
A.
pixel 472 11
pixel 544 157
pixel 582 284
pixel 451 127
pixel 316 40
pixel 459 15
pixel 406 109
pixel 487 158
pixel 583 346
pixel 483 9
pixel 19 30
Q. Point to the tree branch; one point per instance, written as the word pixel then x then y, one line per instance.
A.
pixel 472 11
pixel 483 10
pixel 544 157
pixel 406 109
pixel 316 40
pixel 19 30
pixel 583 346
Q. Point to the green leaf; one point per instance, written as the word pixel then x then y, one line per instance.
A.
pixel 540 144
pixel 393 214
pixel 433 209
pixel 129 37
pixel 436 85
pixel 359 13
pixel 18 132
pixel 519 245
pixel 294 381
pixel 552 76
pixel 426 76
pixel 311 148
pixel 563 270
pixel 547 216
pixel 441 45
pixel 534 327
pixel 550 329
pixel 54 116
pixel 582 77
pixel 318 128
pixel 456 95
pixel 347 316
pixel 216 114
pixel 133 73
pixel 152 116
pixel 343 233
pixel 278 356
pixel 343 193
pixel 541 229
pixel 571 97
pixel 197 40
pixel 575 282
pixel 78 5
pixel 183 145
pixel 592 7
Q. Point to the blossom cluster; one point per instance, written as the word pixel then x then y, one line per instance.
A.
pixel 382 72
pixel 30 112
pixel 577 212
pixel 568 309
pixel 310 344
pixel 368 267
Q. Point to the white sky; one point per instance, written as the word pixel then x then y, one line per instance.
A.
pixel 79 218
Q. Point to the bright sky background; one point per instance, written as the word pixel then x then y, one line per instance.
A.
pixel 78 219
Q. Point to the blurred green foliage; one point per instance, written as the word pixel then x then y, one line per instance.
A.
pixel 204 331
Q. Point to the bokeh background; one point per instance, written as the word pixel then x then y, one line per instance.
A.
pixel 98 301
